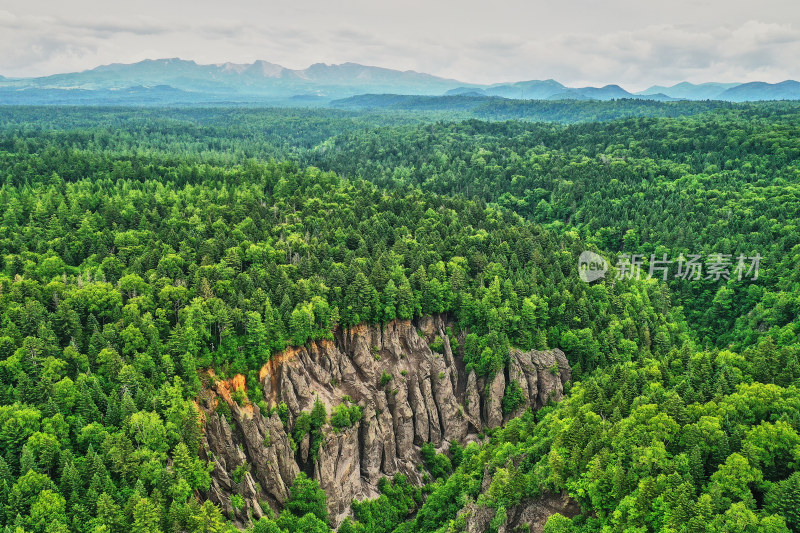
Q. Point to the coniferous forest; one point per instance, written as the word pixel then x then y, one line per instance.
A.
pixel 147 254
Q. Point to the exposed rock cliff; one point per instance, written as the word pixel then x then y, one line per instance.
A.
pixel 530 516
pixel 409 395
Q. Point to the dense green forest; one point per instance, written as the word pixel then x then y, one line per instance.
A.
pixel 139 249
pixel 499 108
pixel 721 183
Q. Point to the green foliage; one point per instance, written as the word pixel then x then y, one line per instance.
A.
pixel 192 469
pixel 397 502
pixel 239 396
pixel 311 424
pixel 208 519
pixel 237 502
pixel 283 413
pixel 559 523
pixel 138 249
pixel 437 345
pixel 437 464
pixel 305 497
pixel 500 518
pixel 783 498
pixel 443 504
pixel 265 525
pixel 345 416
pixel 513 397
pixel 240 471
pixel 463 107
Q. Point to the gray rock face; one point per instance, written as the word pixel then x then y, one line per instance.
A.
pixel 530 516
pixel 472 402
pixel 261 451
pixel 541 375
pixel 534 513
pixel 479 518
pixel 409 395
pixel 493 403
pixel 338 470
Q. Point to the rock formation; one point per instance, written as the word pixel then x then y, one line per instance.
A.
pixel 529 516
pixel 409 395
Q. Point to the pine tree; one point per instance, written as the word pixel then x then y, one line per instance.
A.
pixel 406 306
pixel 146 517
pixel 208 519
pixel 305 496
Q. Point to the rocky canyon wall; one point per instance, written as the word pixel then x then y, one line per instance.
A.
pixel 409 395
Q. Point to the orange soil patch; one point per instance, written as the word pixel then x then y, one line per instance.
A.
pixel 270 370
pixel 224 387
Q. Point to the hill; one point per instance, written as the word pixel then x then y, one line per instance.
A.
pixel 757 90
pixel 731 92
pixel 568 108
pixel 691 91
pixel 388 331
pixel 266 83
pixel 260 78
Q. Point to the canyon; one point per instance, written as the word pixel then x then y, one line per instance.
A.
pixel 412 386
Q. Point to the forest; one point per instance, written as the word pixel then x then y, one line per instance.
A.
pixel 144 251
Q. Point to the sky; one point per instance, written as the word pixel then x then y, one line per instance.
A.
pixel 577 42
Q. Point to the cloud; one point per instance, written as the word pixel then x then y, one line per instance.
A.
pixel 657 53
pixel 633 56
pixel 108 26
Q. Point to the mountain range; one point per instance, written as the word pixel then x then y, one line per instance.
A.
pixel 260 79
pixel 553 90
pixel 181 81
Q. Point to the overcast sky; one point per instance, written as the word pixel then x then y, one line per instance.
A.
pixel 635 43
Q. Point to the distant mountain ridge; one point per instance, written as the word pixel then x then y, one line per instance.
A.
pixel 691 91
pixel 187 82
pixel 551 90
pixel 731 92
pixel 259 78
pixel 759 90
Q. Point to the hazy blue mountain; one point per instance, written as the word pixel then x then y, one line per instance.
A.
pixel 259 78
pixel 178 81
pixel 609 92
pixel 659 97
pixel 465 91
pixel 521 90
pixel 552 90
pixel 526 90
pixel 732 92
pixel 568 94
pixel 691 91
pixel 159 95
pixel 759 90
